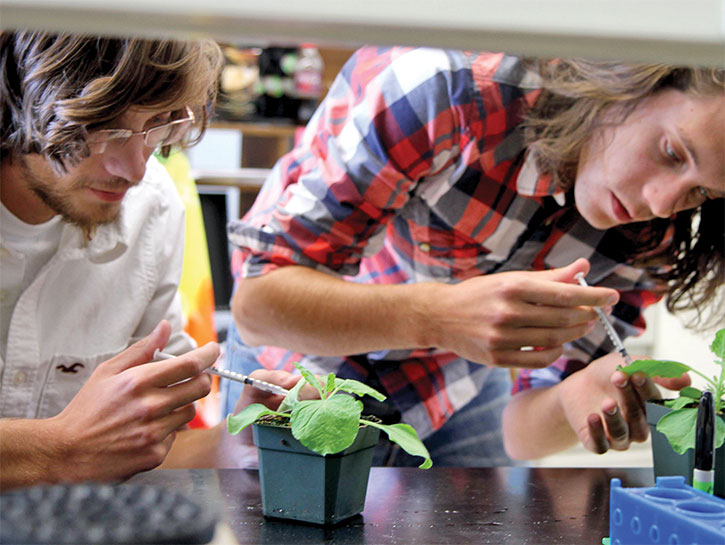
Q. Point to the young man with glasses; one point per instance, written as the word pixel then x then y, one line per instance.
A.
pixel 91 244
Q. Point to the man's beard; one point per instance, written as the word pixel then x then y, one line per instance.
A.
pixel 60 202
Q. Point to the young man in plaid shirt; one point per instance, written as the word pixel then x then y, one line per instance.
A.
pixel 425 234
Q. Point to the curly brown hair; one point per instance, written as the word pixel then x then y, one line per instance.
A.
pixel 54 87
pixel 580 95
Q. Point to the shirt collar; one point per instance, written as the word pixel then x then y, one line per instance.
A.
pixel 531 183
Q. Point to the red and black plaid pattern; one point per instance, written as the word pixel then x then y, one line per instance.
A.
pixel 414 169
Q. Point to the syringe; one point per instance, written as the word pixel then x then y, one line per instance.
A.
pixel 232 375
pixel 607 325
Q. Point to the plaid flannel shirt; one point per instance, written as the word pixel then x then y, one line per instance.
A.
pixel 414 169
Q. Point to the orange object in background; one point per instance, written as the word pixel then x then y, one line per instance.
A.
pixel 195 286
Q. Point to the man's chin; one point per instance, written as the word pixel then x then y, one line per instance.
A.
pixel 89 224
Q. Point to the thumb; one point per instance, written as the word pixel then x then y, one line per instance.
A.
pixel 567 274
pixel 142 351
pixel 676 383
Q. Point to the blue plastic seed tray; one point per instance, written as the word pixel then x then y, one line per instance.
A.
pixel 670 513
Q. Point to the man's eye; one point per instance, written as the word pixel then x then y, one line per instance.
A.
pixel 160 119
pixel 671 153
pixel 702 192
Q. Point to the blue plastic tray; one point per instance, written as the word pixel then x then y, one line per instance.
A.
pixel 670 513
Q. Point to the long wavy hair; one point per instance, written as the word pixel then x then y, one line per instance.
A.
pixel 577 97
pixel 54 87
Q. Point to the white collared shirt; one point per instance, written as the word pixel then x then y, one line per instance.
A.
pixel 92 300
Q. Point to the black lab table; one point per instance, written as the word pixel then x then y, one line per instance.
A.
pixel 406 506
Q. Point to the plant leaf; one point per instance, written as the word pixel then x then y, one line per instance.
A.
pixel 718 345
pixel 311 378
pixel 680 402
pixel 326 426
pixel 679 428
pixel 330 384
pixel 290 400
pixel 405 436
pixel 719 432
pixel 358 388
pixel 656 368
pixel 689 391
pixel 246 416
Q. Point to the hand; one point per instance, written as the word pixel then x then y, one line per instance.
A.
pixel 489 319
pixel 239 449
pixel 606 407
pixel 124 419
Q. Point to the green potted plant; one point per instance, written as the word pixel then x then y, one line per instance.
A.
pixel 315 455
pixel 672 421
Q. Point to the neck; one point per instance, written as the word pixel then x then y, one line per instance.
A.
pixel 17 196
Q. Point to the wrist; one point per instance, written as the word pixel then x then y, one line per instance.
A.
pixel 425 312
pixel 32 453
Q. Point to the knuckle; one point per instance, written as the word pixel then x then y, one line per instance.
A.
pixel 148 409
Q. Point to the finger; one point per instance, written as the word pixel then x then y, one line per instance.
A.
pixel 631 404
pixel 524 358
pixel 645 387
pixel 677 383
pixel 595 438
pixel 617 428
pixel 167 372
pixel 186 392
pixel 548 337
pixel 274 376
pixel 546 316
pixel 142 351
pixel 568 272
pixel 559 294
pixel 171 422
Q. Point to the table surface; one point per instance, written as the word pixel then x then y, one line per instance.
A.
pixel 441 505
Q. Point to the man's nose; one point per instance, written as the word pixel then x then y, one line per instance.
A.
pixel 129 160
pixel 667 197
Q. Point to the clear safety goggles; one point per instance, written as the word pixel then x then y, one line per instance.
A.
pixel 102 140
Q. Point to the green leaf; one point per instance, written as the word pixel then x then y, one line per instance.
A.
pixel 718 345
pixel 680 402
pixel 311 378
pixel 657 368
pixel 330 384
pixel 246 416
pixel 719 432
pixel 290 400
pixel 326 426
pixel 679 428
pixel 405 436
pixel 358 388
pixel 689 391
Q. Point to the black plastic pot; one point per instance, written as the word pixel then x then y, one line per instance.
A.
pixel 300 484
pixel 668 462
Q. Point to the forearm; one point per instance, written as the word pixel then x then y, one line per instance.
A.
pixel 30 454
pixel 535 424
pixel 308 311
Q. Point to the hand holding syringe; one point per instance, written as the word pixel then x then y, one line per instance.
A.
pixel 607 325
pixel 231 375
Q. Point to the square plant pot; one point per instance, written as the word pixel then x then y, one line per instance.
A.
pixel 300 484
pixel 668 462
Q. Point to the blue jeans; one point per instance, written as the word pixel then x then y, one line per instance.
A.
pixel 472 437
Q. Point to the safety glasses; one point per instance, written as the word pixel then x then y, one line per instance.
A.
pixel 103 140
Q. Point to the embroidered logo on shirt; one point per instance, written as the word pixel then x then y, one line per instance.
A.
pixel 70 368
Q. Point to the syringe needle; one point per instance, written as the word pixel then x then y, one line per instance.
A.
pixel 611 332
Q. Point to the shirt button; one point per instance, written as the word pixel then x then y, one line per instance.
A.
pixel 424 247
pixel 20 378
